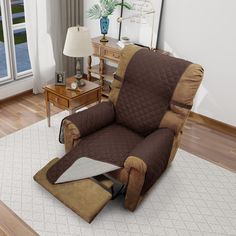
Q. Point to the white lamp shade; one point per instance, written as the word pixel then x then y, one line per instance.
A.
pixel 78 42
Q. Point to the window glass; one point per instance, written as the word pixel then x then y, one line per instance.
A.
pixel 21 49
pixel 3 62
pixel 18 13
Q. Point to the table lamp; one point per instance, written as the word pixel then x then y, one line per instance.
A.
pixel 78 44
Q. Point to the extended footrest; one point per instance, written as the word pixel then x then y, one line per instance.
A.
pixel 85 197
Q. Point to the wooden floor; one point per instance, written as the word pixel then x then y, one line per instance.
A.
pixel 11 224
pixel 199 140
pixel 210 144
pixel 22 111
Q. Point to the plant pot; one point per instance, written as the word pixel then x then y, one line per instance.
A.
pixel 104 25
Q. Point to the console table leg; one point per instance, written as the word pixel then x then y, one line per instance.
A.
pixel 89 68
pixel 48 111
pixel 48 108
pixel 101 70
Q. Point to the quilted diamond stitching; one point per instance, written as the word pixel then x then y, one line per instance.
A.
pixel 148 86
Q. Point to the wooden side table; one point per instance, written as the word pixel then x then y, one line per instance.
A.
pixel 71 100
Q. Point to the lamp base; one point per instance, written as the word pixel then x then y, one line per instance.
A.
pixel 104 39
pixel 80 81
pixel 79 75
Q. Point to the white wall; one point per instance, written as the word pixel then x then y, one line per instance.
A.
pixel 205 32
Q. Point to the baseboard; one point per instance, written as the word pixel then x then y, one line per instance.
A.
pixel 16 95
pixel 214 124
pixel 15 87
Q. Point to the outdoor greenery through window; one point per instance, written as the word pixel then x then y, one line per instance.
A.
pixel 14 55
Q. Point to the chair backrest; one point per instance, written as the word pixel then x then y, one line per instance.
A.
pixel 151 90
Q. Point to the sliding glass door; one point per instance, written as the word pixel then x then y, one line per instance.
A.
pixel 14 55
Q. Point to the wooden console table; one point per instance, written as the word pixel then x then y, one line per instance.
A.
pixel 71 100
pixel 109 51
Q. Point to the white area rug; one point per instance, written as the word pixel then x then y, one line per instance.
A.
pixel 193 197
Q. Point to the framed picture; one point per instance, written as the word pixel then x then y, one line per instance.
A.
pixel 60 78
pixel 142 24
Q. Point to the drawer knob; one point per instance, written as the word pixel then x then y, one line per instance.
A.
pixel 115 55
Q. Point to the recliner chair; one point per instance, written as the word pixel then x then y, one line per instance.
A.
pixel 140 127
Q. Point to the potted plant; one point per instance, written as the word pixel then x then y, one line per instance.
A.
pixel 102 10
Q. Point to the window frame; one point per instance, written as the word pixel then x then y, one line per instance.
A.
pixel 9 65
pixel 10 52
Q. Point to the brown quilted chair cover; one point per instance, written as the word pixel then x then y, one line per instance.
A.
pixel 146 92
pixel 111 144
pixel 182 99
pixel 154 150
pixel 152 96
pixel 174 118
pixel 91 120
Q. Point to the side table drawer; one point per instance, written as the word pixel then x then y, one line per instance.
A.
pixel 57 100
pixel 111 54
pixel 85 99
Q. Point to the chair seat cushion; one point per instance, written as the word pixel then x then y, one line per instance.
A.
pixel 111 144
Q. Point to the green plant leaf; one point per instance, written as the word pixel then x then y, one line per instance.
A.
pixel 95 12
pixel 106 8
pixel 110 7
